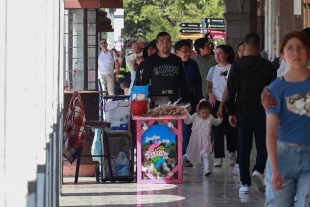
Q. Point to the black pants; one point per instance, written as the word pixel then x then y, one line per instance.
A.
pixel 250 122
pixel 219 132
pixel 186 133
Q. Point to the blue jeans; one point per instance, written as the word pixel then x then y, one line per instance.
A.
pixel 249 123
pixel 294 165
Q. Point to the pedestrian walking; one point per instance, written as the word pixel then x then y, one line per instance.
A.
pixel 182 49
pixel 217 80
pixel 200 146
pixel 247 78
pixel 288 143
pixel 107 61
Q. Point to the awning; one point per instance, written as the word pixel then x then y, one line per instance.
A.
pixel 93 4
pixel 215 34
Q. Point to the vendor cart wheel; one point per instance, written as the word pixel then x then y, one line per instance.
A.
pixel 97 173
pixel 129 180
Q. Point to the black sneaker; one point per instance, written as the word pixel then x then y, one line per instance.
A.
pixel 188 164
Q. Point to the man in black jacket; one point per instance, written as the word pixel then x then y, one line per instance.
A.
pixel 164 71
pixel 247 78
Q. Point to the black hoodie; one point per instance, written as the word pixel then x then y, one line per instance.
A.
pixel 247 78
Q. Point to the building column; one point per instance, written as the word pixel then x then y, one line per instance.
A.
pixel 237 27
pixel 272 28
pixel 238 21
pixel 111 41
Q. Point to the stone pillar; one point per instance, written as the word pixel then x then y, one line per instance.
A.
pixel 237 26
pixel 238 21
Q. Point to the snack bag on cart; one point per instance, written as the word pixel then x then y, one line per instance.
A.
pixel 169 109
pixel 139 93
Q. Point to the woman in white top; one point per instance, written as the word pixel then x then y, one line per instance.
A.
pixel 216 83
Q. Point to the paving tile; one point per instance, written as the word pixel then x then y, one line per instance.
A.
pixel 217 190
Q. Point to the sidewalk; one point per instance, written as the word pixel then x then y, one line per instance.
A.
pixel 218 190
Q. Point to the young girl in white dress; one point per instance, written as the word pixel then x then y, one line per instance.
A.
pixel 199 146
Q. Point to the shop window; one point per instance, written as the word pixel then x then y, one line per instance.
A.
pixel 81 51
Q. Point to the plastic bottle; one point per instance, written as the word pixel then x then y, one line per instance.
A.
pixel 122 165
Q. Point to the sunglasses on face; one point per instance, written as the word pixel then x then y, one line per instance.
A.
pixel 103 43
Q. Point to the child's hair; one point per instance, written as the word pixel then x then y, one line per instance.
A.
pixel 301 36
pixel 204 105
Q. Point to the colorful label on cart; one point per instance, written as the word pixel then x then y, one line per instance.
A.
pixel 159 150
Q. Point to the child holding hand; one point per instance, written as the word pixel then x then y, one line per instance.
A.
pixel 199 146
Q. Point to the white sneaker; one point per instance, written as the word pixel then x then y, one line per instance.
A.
pixel 218 162
pixel 244 189
pixel 258 179
pixel 232 158
pixel 236 170
pixel 244 198
pixel 207 173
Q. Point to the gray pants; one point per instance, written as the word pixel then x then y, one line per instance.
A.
pixel 108 83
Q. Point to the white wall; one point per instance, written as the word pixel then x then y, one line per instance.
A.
pixel 117 22
pixel 31 101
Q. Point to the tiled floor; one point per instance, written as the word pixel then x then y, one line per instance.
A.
pixel 219 189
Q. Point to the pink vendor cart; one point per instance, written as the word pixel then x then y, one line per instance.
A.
pixel 159 148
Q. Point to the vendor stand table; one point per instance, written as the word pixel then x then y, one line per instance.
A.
pixel 159 148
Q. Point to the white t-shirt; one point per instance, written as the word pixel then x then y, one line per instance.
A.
pixel 106 62
pixel 218 80
pixel 282 69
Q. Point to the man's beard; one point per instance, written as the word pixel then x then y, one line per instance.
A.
pixel 166 51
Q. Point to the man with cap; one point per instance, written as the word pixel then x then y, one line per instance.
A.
pixel 148 50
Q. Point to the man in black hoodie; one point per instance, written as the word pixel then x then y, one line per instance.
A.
pixel 247 78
